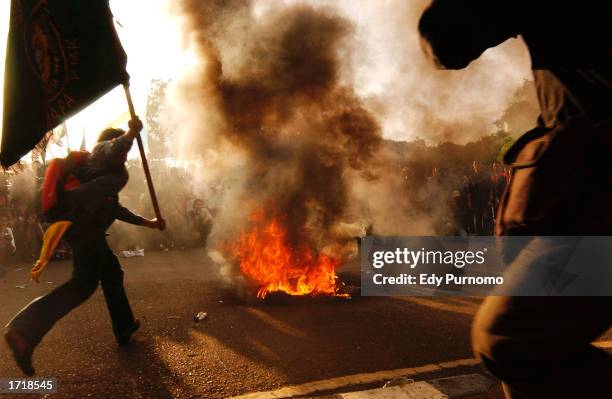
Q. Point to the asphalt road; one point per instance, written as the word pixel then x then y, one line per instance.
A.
pixel 243 346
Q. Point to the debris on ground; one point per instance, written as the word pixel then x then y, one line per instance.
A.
pixel 398 382
pixel 200 316
pixel 131 254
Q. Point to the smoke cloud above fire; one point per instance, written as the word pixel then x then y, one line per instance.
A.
pixel 269 100
pixel 290 101
pixel 382 60
pixel 409 97
pixel 414 100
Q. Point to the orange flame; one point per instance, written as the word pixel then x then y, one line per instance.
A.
pixel 267 259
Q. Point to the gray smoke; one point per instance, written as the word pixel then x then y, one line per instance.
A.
pixel 290 102
pixel 268 103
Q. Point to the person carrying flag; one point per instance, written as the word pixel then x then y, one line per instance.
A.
pixel 94 262
pixel 63 55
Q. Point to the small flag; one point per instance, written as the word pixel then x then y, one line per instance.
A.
pixel 62 55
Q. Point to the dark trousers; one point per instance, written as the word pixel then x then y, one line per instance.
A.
pixel 540 347
pixel 94 263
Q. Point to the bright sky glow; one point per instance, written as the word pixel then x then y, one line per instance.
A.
pixel 152 39
pixel 387 66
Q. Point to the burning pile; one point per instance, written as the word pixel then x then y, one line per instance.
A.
pixel 268 100
pixel 270 261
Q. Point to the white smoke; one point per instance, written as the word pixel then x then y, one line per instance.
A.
pixel 380 60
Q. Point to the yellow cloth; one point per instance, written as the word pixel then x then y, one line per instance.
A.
pixel 51 240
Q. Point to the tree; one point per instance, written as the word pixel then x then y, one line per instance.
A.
pixel 159 141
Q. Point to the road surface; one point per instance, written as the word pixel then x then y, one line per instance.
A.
pixel 243 346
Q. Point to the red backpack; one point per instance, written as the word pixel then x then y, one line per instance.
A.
pixel 60 176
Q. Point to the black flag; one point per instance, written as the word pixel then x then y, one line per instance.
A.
pixel 62 55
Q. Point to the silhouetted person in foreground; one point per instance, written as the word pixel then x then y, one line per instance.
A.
pixel 540 347
pixel 94 262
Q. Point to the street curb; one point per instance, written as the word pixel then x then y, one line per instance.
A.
pixel 440 388
pixel 355 379
pixel 450 387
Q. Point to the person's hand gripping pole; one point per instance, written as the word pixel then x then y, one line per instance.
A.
pixel 136 125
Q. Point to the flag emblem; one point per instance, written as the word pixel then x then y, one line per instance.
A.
pixel 61 56
pixel 46 50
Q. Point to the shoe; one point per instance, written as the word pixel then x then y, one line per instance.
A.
pixel 22 351
pixel 124 339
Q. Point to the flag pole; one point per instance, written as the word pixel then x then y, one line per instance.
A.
pixel 65 128
pixel 143 155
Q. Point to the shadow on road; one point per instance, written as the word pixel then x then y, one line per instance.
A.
pixel 243 345
pixel 311 338
pixel 146 372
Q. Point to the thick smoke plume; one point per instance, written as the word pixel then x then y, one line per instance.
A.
pixel 290 100
pixel 268 103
